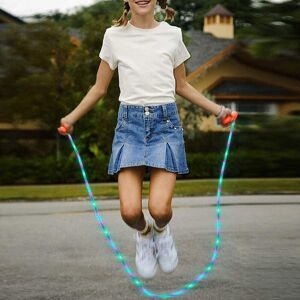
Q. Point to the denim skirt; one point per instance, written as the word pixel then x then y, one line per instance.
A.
pixel 150 136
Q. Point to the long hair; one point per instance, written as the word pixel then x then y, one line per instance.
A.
pixel 170 12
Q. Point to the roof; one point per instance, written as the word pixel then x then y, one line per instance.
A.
pixel 219 10
pixel 207 50
pixel 203 46
pixel 9 18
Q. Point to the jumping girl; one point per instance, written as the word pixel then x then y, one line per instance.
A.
pixel 148 135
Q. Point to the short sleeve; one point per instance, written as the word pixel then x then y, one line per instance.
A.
pixel 106 53
pixel 181 52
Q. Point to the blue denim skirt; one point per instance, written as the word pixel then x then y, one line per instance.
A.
pixel 151 136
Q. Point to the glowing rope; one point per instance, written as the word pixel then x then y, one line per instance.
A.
pixel 134 279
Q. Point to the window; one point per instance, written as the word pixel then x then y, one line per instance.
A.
pixel 225 19
pixel 251 107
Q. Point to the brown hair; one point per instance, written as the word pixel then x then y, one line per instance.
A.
pixel 170 12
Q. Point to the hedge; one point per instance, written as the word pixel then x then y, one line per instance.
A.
pixel 240 164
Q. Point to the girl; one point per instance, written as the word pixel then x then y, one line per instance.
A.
pixel 148 134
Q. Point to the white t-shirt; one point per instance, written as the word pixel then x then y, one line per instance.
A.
pixel 145 59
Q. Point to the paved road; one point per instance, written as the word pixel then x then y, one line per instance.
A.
pixel 55 250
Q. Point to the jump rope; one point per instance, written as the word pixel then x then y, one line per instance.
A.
pixel 119 255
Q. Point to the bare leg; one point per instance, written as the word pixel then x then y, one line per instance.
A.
pixel 162 184
pixel 130 184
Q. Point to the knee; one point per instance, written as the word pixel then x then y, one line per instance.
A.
pixel 131 215
pixel 160 213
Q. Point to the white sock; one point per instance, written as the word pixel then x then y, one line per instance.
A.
pixel 146 229
pixel 159 229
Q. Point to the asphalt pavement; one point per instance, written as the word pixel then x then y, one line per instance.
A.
pixel 55 250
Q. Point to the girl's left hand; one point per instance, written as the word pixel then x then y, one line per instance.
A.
pixel 225 113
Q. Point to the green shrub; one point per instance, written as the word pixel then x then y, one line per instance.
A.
pixel 240 164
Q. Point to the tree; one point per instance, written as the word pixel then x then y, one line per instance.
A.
pixel 274 29
pixel 35 83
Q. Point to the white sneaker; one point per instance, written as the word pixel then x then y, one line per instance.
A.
pixel 166 250
pixel 146 255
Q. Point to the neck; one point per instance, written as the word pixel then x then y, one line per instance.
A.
pixel 145 22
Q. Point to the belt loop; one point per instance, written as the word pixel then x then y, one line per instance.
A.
pixel 125 113
pixel 165 112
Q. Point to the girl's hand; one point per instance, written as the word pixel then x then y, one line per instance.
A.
pixel 67 124
pixel 224 112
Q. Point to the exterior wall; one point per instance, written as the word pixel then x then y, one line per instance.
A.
pixel 27 125
pixel 286 108
pixel 218 29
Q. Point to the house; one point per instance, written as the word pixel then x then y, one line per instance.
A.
pixel 6 18
pixel 221 66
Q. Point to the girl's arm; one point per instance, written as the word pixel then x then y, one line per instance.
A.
pixel 97 91
pixel 187 91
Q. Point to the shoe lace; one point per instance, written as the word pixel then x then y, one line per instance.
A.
pixel 147 248
pixel 164 245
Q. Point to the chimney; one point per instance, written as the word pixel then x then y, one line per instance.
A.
pixel 219 22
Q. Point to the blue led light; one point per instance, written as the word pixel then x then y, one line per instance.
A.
pixel 200 277
pixel 139 284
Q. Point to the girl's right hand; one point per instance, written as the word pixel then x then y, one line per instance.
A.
pixel 67 124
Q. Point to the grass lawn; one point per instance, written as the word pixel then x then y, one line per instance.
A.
pixel 191 187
